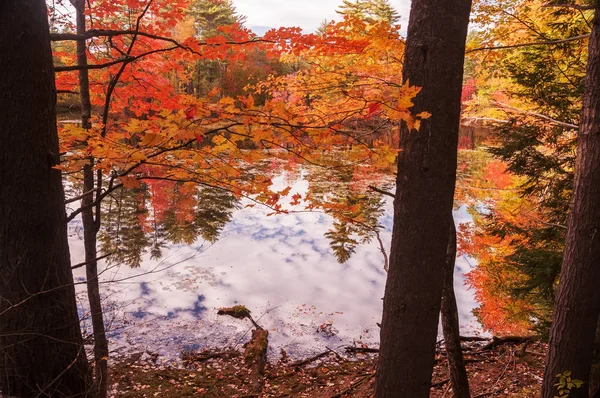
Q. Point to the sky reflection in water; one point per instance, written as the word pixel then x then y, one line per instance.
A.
pixel 281 267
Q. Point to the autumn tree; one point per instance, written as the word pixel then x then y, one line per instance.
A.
pixel 209 15
pixel 41 348
pixel 370 11
pixel 578 298
pixel 535 105
pixel 424 198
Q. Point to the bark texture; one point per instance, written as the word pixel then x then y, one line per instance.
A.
pixel 578 299
pixel 450 324
pixel 91 223
pixel 434 59
pixel 41 348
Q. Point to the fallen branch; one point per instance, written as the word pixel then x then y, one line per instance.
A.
pixel 353 385
pixel 353 349
pixel 485 394
pixel 239 312
pixel 205 356
pixel 473 338
pixel 309 360
pixel 255 357
pixel 338 356
pixel 497 341
pixel 439 383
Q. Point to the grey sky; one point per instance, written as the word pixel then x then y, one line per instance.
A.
pixel 306 14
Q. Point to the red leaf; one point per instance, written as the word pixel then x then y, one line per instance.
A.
pixel 190 113
pixel 374 107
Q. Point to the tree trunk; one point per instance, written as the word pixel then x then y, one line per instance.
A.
pixel 90 230
pixel 578 297
pixel 450 325
pixel 41 348
pixel 424 194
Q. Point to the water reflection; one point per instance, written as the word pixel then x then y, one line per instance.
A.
pixel 150 217
pixel 170 272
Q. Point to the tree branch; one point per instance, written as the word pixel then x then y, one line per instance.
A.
pixel 125 60
pixel 76 198
pixel 83 264
pixel 93 33
pixel 381 191
pixel 573 6
pixel 533 43
pixel 538 115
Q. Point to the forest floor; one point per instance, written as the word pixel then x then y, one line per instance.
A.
pixel 509 370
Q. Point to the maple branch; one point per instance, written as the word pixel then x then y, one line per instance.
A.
pixel 76 198
pixel 467 120
pixel 93 33
pixel 111 188
pixel 92 260
pixel 125 60
pixel 386 261
pixel 573 6
pixel 533 43
pixel 94 203
pixel 538 115
pixel 381 191
pixel 66 92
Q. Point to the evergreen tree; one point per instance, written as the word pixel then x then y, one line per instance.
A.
pixel 370 11
pixel 550 79
pixel 210 14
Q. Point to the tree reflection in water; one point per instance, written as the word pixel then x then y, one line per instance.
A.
pixel 147 218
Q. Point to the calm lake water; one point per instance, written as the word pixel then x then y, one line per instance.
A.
pixel 281 267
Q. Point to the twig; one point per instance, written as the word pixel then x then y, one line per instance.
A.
pixel 439 383
pixel 361 349
pixel 485 394
pixel 311 359
pixel 341 358
pixel 473 338
pixel 353 385
pixel 573 6
pixel 534 43
pixel 496 341
pixel 92 260
pixel 381 191
pixel 538 115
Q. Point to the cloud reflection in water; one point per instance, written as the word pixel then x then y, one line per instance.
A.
pixel 281 267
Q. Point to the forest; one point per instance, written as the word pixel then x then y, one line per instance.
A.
pixel 385 205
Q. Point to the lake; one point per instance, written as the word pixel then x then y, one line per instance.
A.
pixel 281 267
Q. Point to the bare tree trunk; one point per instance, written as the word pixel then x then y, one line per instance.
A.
pixel 434 59
pixel 450 325
pixel 41 348
pixel 90 230
pixel 578 298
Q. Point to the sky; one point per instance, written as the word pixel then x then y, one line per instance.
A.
pixel 306 14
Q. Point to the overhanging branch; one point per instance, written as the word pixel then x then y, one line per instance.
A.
pixel 530 44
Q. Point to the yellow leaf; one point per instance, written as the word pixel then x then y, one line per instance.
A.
pixel 148 139
pixel 130 182
pixel 138 156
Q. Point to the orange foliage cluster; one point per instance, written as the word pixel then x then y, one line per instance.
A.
pixel 146 126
